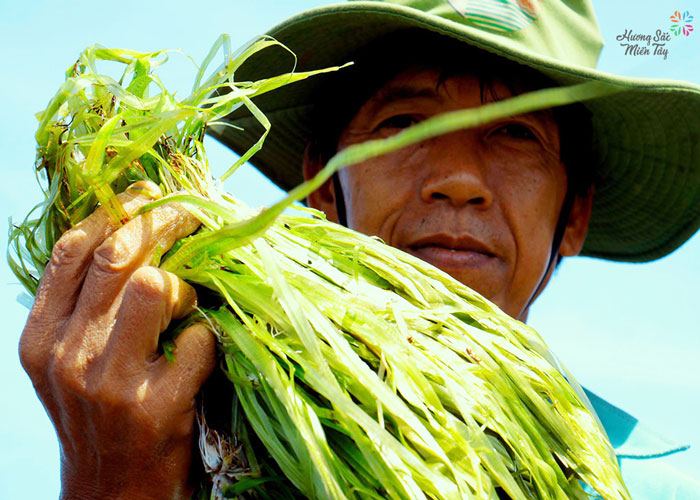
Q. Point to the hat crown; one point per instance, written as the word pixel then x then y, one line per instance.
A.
pixel 561 30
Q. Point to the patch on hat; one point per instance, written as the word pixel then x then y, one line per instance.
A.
pixel 497 15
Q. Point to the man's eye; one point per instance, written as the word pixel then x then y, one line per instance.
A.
pixel 398 121
pixel 515 131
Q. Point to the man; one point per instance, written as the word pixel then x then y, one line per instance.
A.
pixel 495 206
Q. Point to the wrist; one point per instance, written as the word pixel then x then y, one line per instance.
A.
pixel 116 488
pixel 81 493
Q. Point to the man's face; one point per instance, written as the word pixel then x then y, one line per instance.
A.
pixel 480 204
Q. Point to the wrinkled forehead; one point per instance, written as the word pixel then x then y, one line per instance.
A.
pixel 460 87
pixel 438 83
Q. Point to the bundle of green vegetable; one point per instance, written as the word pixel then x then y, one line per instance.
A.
pixel 359 370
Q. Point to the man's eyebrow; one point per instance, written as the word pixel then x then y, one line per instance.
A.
pixel 395 93
pixel 489 96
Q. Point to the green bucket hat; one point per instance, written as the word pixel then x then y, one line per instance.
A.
pixel 646 140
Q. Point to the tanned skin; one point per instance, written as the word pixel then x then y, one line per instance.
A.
pixel 481 204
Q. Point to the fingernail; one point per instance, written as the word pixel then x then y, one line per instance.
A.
pixel 146 188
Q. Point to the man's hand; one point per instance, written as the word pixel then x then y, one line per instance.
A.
pixel 124 415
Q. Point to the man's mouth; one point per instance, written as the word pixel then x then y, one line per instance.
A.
pixel 449 252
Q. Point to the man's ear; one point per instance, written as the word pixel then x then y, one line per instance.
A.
pixel 577 225
pixel 324 197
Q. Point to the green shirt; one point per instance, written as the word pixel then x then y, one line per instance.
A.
pixel 640 452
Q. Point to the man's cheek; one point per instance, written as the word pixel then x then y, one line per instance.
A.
pixel 379 182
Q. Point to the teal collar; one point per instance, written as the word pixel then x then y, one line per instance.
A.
pixel 629 437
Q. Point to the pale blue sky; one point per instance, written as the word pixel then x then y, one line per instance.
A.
pixel 631 333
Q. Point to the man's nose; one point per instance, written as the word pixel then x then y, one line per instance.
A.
pixel 457 173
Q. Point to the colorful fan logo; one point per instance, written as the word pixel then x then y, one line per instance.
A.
pixel 681 24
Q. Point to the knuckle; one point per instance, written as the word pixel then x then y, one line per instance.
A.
pixel 149 284
pixel 67 375
pixel 69 248
pixel 115 255
pixel 185 221
pixel 30 356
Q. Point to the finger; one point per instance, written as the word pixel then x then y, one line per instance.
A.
pixel 71 255
pixel 178 381
pixel 127 249
pixel 152 298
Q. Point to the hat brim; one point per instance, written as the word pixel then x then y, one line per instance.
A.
pixel 647 139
